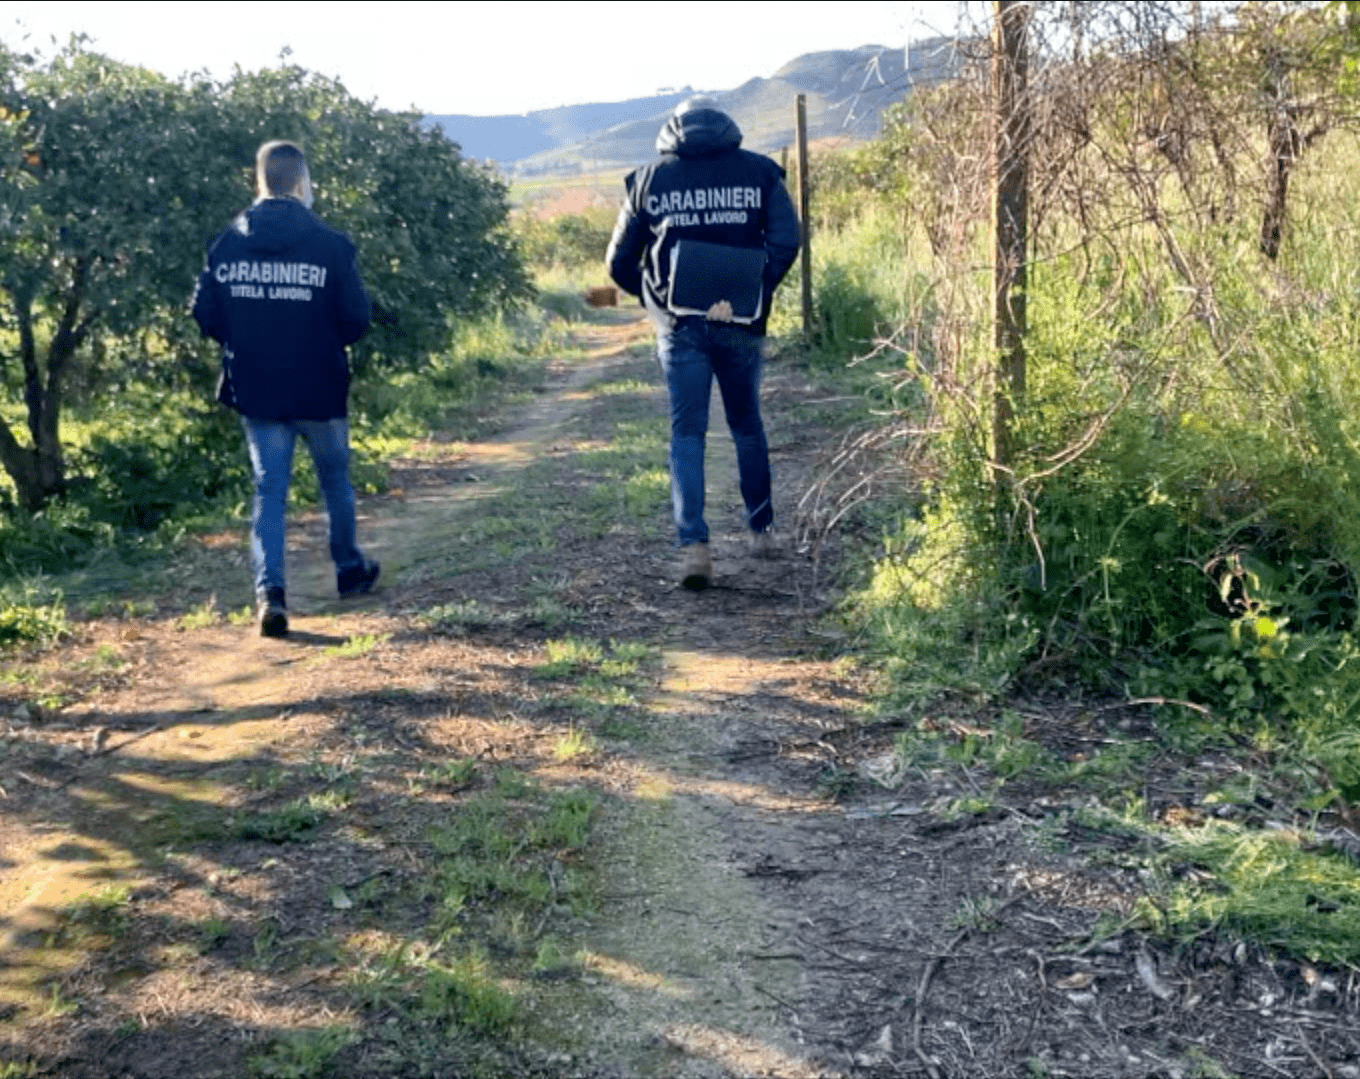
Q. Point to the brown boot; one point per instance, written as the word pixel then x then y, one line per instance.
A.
pixel 764 545
pixel 696 567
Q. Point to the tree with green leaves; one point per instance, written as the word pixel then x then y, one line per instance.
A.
pixel 430 226
pixel 112 179
pixel 98 230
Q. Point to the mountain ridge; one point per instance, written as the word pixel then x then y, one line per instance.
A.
pixel 847 91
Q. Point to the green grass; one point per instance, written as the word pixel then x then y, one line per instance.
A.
pixel 498 864
pixel 463 616
pixel 498 845
pixel 457 617
pixel 96 920
pixel 58 1004
pixel 292 823
pixel 622 387
pixel 1280 888
pixel 573 745
pixel 451 776
pixel 200 617
pixel 302 1054
pixel 465 994
pixel 209 933
pixel 104 659
pixel 356 647
pixel 570 657
pixel 598 683
pixel 1273 887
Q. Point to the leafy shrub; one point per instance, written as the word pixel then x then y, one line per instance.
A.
pixel 60 537
pixel 847 312
pixel 31 618
pixel 567 240
pixel 150 460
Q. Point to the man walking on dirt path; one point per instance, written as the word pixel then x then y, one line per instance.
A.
pixel 282 294
pixel 705 235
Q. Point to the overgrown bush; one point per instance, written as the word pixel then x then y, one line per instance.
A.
pixel 1176 516
pixel 570 241
pixel 150 458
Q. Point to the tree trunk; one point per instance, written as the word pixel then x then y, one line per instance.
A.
pixel 39 471
pixel 1287 141
pixel 1282 137
pixel 21 465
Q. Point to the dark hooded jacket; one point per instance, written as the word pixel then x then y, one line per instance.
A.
pixel 282 294
pixel 704 187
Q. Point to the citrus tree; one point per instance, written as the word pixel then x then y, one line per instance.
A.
pixel 101 165
pixel 113 179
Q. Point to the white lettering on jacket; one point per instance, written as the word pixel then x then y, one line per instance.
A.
pixel 703 198
pixel 247 291
pixel 270 273
pixel 710 217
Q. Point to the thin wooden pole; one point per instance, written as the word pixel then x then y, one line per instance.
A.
pixel 1010 74
pixel 803 202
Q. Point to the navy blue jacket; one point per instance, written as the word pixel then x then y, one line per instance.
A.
pixel 704 187
pixel 281 292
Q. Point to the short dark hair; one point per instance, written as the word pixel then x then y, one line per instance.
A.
pixel 279 168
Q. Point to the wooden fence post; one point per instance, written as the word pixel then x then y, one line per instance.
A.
pixel 803 201
pixel 1010 90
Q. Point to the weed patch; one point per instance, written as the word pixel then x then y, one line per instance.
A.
pixel 357 646
pixel 302 1054
pixel 293 823
pixel 465 994
pixel 30 617
pixel 1277 888
pixel 451 776
pixel 200 617
pixel 574 745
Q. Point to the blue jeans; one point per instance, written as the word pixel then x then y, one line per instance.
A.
pixel 692 355
pixel 271 461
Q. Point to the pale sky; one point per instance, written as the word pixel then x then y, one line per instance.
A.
pixel 481 59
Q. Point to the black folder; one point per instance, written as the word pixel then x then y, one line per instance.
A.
pixel 703 274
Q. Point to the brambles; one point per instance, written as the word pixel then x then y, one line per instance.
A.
pixel 1173 521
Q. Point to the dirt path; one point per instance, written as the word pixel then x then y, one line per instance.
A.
pixel 533 810
pixel 226 693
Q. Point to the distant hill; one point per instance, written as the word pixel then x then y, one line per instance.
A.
pixel 847 91
pixel 512 138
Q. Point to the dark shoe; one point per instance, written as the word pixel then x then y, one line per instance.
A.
pixel 696 567
pixel 358 582
pixel 273 614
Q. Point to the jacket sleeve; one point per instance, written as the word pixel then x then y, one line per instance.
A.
pixel 782 235
pixel 627 245
pixel 206 306
pixel 354 309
